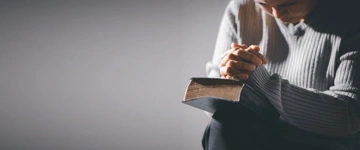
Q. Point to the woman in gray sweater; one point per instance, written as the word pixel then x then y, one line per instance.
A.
pixel 307 65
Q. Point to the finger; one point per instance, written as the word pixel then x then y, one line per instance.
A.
pixel 225 72
pixel 240 65
pixel 239 77
pixel 227 52
pixel 231 72
pixel 260 56
pixel 228 71
pixel 228 57
pixel 229 77
pixel 245 71
pixel 235 45
pixel 248 56
pixel 254 47
pixel 255 50
pixel 232 50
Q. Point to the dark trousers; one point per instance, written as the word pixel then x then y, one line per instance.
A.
pixel 238 129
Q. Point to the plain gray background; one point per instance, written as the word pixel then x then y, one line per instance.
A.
pixel 104 75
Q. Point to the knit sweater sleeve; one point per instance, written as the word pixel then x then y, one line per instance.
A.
pixel 333 112
pixel 226 36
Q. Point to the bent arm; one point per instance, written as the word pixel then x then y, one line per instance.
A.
pixel 225 37
pixel 334 112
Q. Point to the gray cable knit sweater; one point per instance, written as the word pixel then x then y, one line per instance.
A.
pixel 313 75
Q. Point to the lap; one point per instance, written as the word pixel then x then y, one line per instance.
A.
pixel 237 129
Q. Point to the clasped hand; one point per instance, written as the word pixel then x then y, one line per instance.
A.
pixel 240 61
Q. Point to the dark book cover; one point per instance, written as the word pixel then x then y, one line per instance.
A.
pixel 211 94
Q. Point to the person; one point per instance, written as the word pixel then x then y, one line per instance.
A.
pixel 303 56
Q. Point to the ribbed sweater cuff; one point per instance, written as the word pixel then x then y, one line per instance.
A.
pixel 259 78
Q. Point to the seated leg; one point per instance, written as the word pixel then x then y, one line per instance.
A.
pixel 233 129
pixel 239 129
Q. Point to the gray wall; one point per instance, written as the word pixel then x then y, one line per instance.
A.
pixel 103 74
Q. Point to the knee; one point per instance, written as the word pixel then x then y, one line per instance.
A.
pixel 216 135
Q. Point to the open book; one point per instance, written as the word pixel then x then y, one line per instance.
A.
pixel 211 94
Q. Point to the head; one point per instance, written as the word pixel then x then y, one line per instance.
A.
pixel 288 11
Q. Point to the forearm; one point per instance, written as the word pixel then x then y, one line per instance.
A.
pixel 331 112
